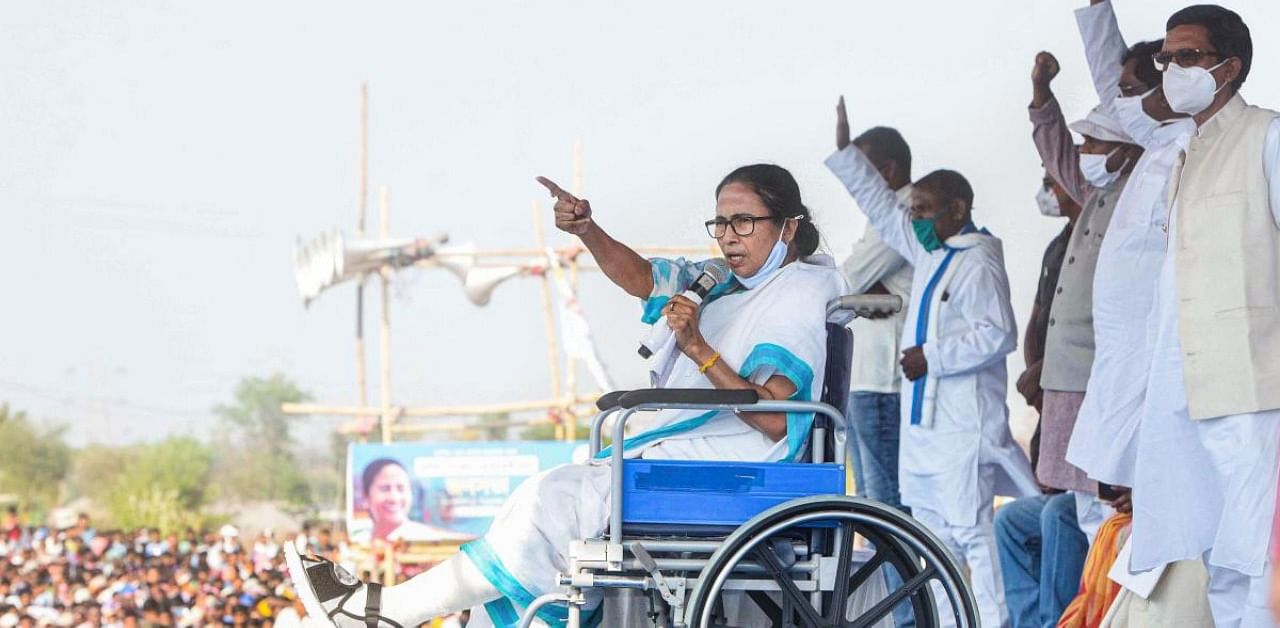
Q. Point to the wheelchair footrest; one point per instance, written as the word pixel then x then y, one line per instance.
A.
pixel 701 493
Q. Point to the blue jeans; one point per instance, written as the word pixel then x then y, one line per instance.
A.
pixel 874 453
pixel 876 420
pixel 1042 553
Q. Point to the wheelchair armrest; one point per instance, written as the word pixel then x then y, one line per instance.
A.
pixel 609 400
pixel 692 396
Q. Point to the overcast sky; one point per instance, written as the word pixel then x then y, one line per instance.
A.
pixel 159 159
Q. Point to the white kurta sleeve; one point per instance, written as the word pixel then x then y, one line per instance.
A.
pixel 887 214
pixel 1271 167
pixel 871 261
pixel 1104 47
pixel 981 298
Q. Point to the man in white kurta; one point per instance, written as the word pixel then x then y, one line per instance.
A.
pixel 1104 442
pixel 956 452
pixel 1111 432
pixel 1207 485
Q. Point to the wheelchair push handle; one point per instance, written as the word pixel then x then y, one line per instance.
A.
pixel 866 304
pixel 609 400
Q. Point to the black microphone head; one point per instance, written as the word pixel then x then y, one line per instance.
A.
pixel 717 269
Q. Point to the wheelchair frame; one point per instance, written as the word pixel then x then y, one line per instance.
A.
pixel 684 575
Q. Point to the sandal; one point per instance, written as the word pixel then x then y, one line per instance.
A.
pixel 325 588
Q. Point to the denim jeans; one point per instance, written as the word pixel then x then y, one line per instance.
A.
pixel 874 454
pixel 876 421
pixel 1042 553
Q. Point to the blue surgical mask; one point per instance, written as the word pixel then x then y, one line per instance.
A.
pixel 771 265
pixel 926 233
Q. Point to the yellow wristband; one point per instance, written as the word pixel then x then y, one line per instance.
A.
pixel 711 361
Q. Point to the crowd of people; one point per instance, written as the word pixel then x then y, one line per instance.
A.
pixel 80 576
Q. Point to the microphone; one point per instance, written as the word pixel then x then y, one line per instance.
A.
pixel 714 273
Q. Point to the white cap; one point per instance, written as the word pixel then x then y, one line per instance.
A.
pixel 228 531
pixel 1101 126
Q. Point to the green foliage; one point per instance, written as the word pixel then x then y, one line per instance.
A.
pixel 163 485
pixel 33 460
pixel 547 431
pixel 255 450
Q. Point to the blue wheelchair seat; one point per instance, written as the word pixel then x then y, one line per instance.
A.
pixel 702 493
pixel 675 494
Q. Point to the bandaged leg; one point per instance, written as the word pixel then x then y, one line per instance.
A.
pixel 449 587
pixel 526 546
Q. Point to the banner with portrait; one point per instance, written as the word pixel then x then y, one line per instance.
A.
pixel 440 491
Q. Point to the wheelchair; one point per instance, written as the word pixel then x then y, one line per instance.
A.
pixel 705 543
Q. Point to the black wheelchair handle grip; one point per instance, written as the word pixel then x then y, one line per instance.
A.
pixel 693 396
pixel 609 400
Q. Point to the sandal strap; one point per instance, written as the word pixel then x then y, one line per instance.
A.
pixel 372 604
pixel 322 580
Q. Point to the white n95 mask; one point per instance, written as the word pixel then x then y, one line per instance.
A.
pixel 1130 114
pixel 1190 90
pixel 1094 168
pixel 1047 201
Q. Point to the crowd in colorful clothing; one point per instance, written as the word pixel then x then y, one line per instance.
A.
pixel 80 576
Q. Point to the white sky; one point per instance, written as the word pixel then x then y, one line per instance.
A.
pixel 160 158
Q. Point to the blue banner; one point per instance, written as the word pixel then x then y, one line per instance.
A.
pixel 440 491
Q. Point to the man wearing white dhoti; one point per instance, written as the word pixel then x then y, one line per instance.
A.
pixel 1207 486
pixel 1104 440
pixel 1111 432
pixel 956 450
pixel 763 329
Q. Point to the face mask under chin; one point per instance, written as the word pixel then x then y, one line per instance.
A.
pixel 777 255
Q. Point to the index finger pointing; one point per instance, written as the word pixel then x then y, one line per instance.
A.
pixel 556 191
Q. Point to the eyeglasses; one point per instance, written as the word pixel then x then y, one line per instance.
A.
pixel 1185 57
pixel 742 224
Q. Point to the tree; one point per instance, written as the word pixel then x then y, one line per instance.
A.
pixel 160 485
pixel 255 453
pixel 33 460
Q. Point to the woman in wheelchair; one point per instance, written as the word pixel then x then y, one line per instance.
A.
pixel 763 328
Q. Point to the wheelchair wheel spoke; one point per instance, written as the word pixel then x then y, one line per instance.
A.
pixel 844 560
pixel 789 588
pixel 860 576
pixel 885 606
pixel 766 606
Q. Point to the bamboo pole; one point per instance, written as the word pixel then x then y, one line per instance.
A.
pixel 384 330
pixel 539 253
pixel 362 378
pixel 548 312
pixel 435 411
pixel 571 366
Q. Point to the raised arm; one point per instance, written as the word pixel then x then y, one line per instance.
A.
pixel 1104 47
pixel 619 262
pixel 1050 133
pixel 888 216
pixel 991 332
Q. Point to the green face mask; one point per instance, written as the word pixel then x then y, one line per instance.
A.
pixel 926 233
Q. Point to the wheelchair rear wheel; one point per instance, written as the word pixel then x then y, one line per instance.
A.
pixel 901 545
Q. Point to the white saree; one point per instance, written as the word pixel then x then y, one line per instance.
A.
pixel 776 328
